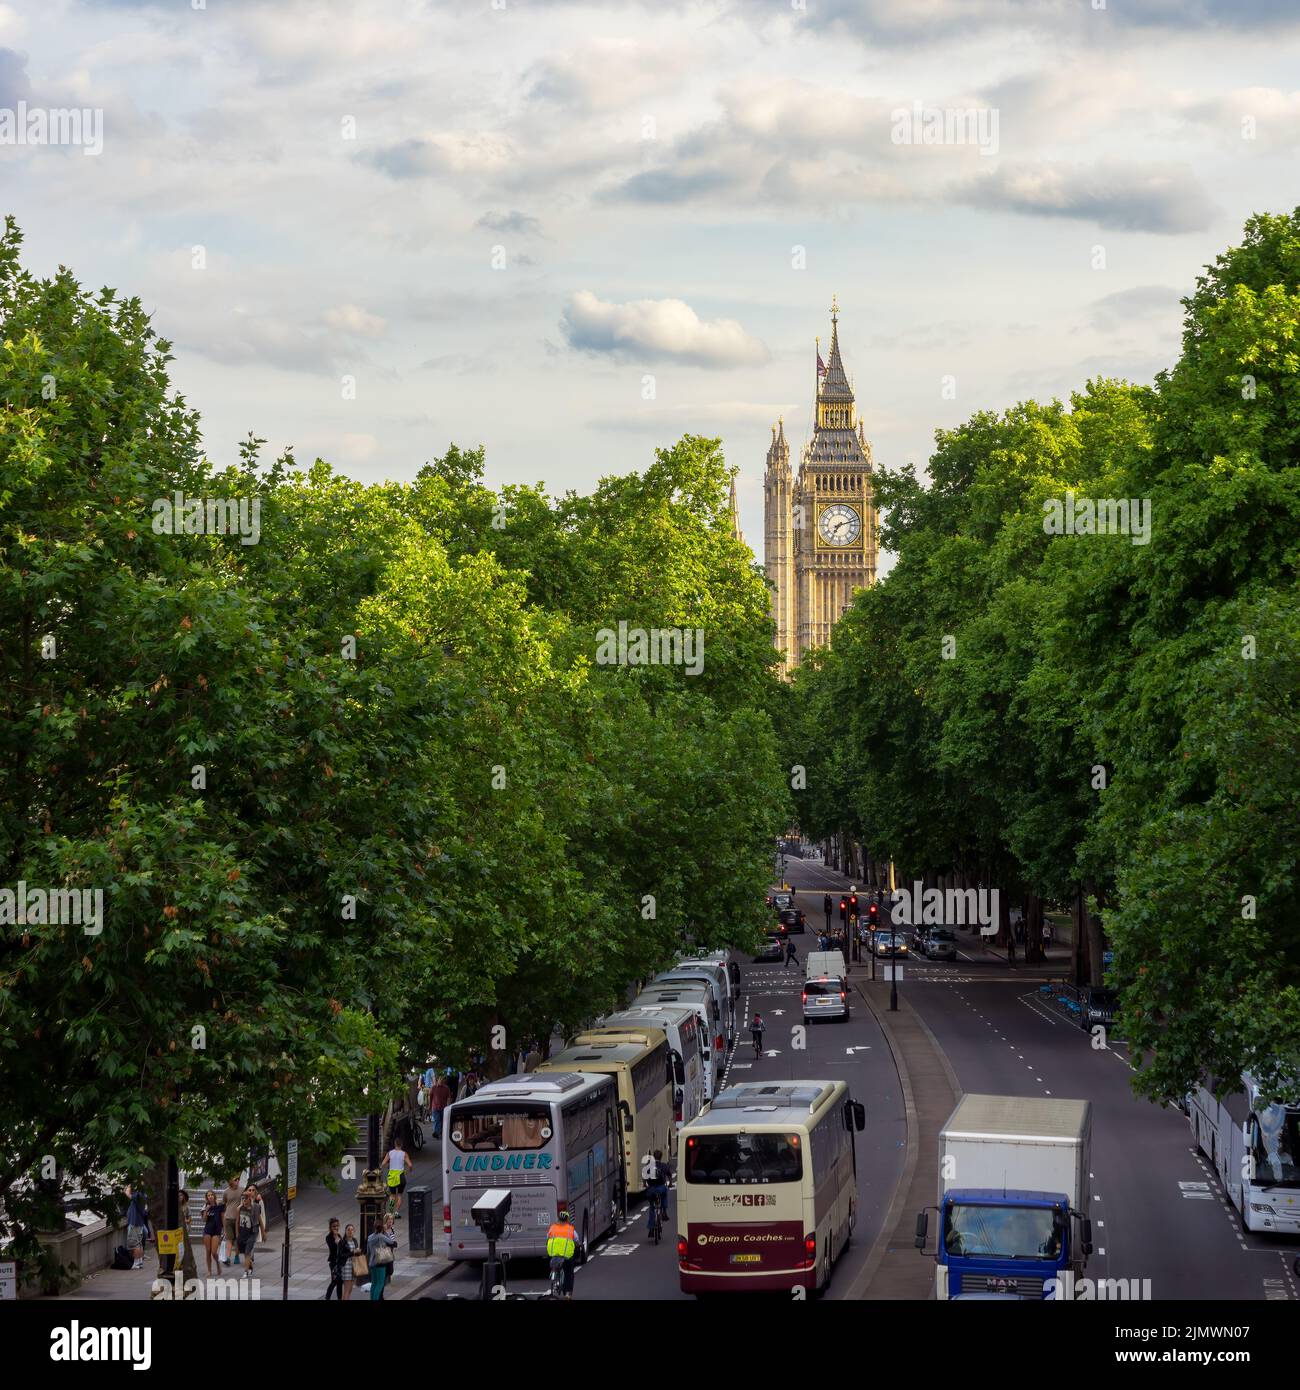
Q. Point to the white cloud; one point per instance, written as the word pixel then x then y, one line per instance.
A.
pixel 349 318
pixel 655 329
pixel 1164 198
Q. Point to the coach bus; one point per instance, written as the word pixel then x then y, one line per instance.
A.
pixel 643 1071
pixel 554 1140
pixel 682 1026
pixel 767 1195
pixel 1254 1145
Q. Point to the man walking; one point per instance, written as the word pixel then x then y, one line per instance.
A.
pixel 399 1164
pixel 230 1218
pixel 137 1224
pixel 251 1218
pixel 789 953
pixel 439 1100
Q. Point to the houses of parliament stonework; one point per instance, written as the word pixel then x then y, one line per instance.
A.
pixel 820 524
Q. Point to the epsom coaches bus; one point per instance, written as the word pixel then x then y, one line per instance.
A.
pixel 767 1193
pixel 643 1071
pixel 553 1140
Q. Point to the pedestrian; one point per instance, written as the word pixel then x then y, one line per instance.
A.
pixel 733 972
pixel 790 954
pixel 137 1223
pixel 453 1083
pixel 440 1099
pixel 251 1226
pixel 470 1084
pixel 335 1245
pixel 352 1262
pixel 1047 936
pixel 213 1212
pixel 379 1255
pixel 399 1164
pixel 186 1262
pixel 230 1199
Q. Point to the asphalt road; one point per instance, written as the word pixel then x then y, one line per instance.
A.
pixel 627 1266
pixel 1158 1212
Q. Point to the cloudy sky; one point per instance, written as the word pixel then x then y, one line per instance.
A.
pixel 499 218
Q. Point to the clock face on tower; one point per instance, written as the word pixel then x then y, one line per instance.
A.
pixel 839 524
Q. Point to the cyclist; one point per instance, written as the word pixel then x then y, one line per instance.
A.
pixel 561 1244
pixel 657 1187
pixel 756 1032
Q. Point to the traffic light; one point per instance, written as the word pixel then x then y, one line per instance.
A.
pixel 853 905
pixel 844 910
pixel 873 915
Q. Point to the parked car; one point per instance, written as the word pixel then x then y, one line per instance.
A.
pixel 793 920
pixel 773 948
pixel 890 943
pixel 939 943
pixel 781 901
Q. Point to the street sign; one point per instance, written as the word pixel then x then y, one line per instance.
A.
pixel 8 1281
pixel 893 970
pixel 169 1242
pixel 291 1176
pixel 288 1217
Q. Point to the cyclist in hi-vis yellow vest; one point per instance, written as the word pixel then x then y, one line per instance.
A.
pixel 561 1245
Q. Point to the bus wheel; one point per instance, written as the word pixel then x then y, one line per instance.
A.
pixel 582 1247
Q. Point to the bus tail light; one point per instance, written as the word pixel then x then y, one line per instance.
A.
pixel 446 1219
pixel 810 1251
pixel 681 1247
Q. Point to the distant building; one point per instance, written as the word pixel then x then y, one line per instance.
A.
pixel 821 526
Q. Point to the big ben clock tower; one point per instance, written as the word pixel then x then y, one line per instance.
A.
pixel 821 526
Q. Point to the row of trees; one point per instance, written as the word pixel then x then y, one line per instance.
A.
pixel 359 794
pixel 1090 718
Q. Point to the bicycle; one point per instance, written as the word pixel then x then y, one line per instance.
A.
pixel 556 1288
pixel 758 1044
pixel 417 1134
pixel 657 1203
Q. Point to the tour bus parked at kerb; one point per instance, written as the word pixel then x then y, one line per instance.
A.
pixel 717 981
pixel 767 1187
pixel 643 1033
pixel 554 1140
pixel 1255 1146
pixel 682 1024
pixel 644 1073
pixel 697 993
pixel 717 968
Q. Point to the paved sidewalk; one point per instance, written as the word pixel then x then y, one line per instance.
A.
pixel 309 1271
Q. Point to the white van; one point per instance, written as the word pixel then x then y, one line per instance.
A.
pixel 685 1030
pixel 715 976
pixel 692 994
pixel 825 987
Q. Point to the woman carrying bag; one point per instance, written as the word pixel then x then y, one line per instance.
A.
pixel 352 1261
pixel 379 1251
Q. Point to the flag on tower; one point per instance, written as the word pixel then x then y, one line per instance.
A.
pixel 821 366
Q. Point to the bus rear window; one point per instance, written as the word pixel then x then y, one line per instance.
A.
pixel 740 1159
pixel 499 1129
